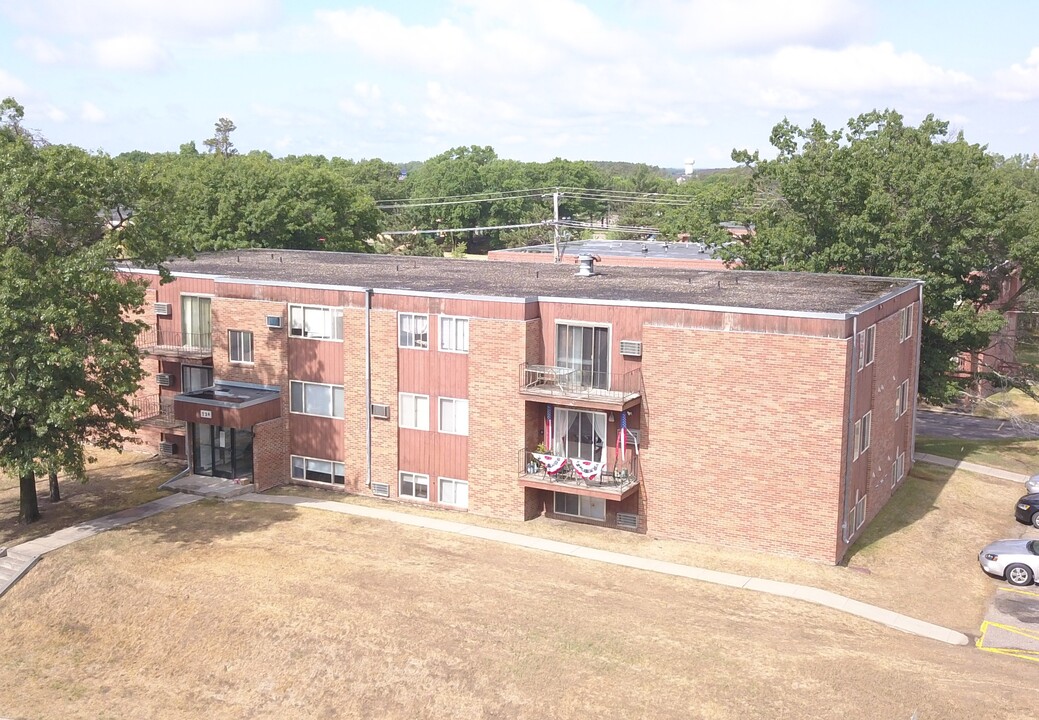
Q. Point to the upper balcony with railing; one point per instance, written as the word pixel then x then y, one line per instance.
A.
pixel 173 343
pixel 153 411
pixel 581 387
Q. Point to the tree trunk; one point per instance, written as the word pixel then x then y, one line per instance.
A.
pixel 55 490
pixel 30 508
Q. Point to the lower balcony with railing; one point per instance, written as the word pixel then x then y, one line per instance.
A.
pixel 579 386
pixel 539 469
pixel 154 411
pixel 173 343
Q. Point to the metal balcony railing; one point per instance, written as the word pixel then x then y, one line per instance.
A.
pixel 538 467
pixel 153 411
pixel 175 343
pixel 555 381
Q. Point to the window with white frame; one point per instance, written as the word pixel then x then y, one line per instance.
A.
pixel 309 398
pixel 413 485
pixel 454 334
pixel 240 346
pixel 905 319
pixel 867 340
pixel 860 510
pixel 317 470
pixel 454 416
pixel 580 506
pixel 316 322
pixel 862 433
pixel 453 492
pixel 900 466
pixel 413 331
pixel 413 411
pixel 902 399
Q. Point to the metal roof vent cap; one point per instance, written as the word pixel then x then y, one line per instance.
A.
pixel 586 266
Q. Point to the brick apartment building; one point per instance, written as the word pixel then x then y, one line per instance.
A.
pixel 771 411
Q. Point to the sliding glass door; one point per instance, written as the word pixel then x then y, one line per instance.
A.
pixel 586 351
pixel 580 434
pixel 196 321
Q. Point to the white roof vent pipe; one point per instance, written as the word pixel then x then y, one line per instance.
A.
pixel 586 266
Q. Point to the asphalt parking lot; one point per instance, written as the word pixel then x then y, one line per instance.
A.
pixel 1011 626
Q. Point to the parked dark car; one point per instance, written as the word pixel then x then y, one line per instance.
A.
pixel 1027 509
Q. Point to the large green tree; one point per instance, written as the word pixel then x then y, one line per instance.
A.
pixel 884 198
pixel 68 360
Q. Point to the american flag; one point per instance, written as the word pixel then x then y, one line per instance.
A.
pixel 622 437
pixel 548 427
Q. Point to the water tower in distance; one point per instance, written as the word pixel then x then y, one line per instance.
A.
pixel 689 166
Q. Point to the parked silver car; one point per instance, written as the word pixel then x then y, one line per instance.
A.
pixel 1016 561
pixel 1032 485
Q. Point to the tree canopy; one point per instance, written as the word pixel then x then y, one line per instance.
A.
pixel 884 198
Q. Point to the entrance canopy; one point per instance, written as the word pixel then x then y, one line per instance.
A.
pixel 229 404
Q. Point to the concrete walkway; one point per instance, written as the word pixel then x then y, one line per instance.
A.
pixel 25 555
pixel 971 467
pixel 770 587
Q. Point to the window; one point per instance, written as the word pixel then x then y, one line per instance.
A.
pixel 586 351
pixel 195 377
pixel 454 492
pixel 867 340
pixel 899 467
pixel 579 434
pixel 240 346
pixel 902 399
pixel 905 319
pixel 413 411
pixel 580 506
pixel 196 321
pixel 859 515
pixel 862 433
pixel 413 331
pixel 314 470
pixel 310 398
pixel 316 322
pixel 454 416
pixel 454 334
pixel 413 485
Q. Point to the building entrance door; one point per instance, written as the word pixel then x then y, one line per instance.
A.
pixel 221 451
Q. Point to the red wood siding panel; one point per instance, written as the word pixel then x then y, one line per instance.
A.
pixel 434 454
pixel 317 360
pixel 491 309
pixel 171 293
pixel 316 437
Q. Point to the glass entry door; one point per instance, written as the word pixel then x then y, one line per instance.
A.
pixel 221 451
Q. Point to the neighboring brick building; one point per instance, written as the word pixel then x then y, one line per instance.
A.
pixel 771 411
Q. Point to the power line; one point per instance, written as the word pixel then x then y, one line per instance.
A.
pixel 543 223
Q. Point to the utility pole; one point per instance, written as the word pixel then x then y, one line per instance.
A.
pixel 555 226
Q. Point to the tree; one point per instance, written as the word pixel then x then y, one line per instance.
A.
pixel 68 361
pixel 220 144
pixel 883 198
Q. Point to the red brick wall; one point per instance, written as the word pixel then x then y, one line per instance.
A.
pixel 384 391
pixel 271 453
pixel 747 439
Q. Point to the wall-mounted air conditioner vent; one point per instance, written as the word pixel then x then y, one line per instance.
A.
pixel 164 380
pixel 380 411
pixel 629 521
pixel 167 448
pixel 163 309
pixel 631 348
pixel 274 321
pixel 381 489
pixel 633 437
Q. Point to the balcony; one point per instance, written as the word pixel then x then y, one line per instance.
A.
pixel 173 344
pixel 581 388
pixel 156 412
pixel 614 483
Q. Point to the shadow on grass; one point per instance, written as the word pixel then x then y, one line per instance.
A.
pixel 209 521
pixel 1021 455
pixel 910 503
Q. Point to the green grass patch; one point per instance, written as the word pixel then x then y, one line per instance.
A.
pixel 1008 403
pixel 1020 456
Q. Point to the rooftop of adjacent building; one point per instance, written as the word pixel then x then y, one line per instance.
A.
pixel 786 292
pixel 620 248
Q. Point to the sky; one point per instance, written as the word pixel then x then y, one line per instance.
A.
pixel 657 81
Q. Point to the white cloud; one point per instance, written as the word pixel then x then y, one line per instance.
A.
pixel 55 114
pixel 10 85
pixel 130 52
pixel 91 113
pixel 1021 80
pixel 40 50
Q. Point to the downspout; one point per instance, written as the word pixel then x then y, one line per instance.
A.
pixel 916 380
pixel 849 459
pixel 368 385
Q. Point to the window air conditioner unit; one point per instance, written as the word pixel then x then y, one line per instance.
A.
pixel 167 448
pixel 274 322
pixel 164 380
pixel 633 437
pixel 381 489
pixel 380 411
pixel 631 348
pixel 163 309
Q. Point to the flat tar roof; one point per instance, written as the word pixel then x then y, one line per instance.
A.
pixel 786 292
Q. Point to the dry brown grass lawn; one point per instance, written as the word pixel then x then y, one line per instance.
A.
pixel 918 557
pixel 116 481
pixel 249 611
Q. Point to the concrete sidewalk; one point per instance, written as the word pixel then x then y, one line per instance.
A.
pixel 971 467
pixel 770 587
